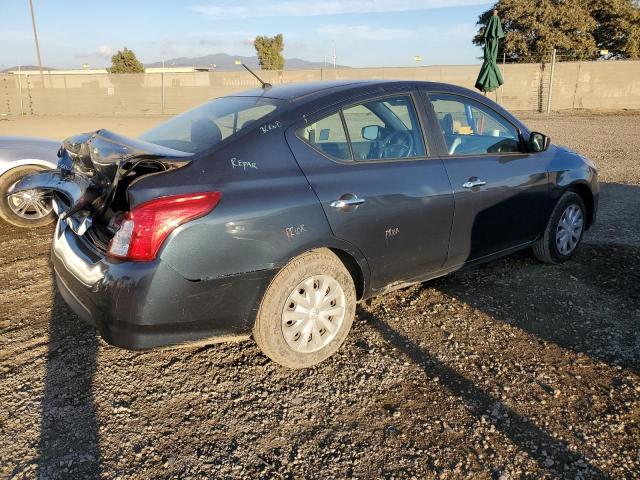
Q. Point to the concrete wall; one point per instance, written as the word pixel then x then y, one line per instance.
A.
pixel 593 85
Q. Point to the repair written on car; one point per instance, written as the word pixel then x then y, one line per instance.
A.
pixel 273 211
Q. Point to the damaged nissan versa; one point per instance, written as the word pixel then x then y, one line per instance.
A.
pixel 272 212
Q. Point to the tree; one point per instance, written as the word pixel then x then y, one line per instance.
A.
pixel 269 50
pixel 617 27
pixel 577 28
pixel 125 61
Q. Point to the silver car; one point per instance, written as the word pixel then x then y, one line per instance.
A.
pixel 20 156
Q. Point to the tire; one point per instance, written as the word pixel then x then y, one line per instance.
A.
pixel 547 248
pixel 280 321
pixel 7 213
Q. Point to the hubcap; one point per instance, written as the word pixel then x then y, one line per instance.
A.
pixel 569 229
pixel 313 313
pixel 30 204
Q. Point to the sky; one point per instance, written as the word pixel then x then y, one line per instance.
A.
pixel 366 33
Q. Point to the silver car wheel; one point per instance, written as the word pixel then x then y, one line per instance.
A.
pixel 569 229
pixel 313 313
pixel 30 204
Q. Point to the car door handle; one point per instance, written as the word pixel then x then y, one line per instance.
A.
pixel 348 200
pixel 473 182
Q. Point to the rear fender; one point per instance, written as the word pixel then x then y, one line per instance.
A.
pixel 25 162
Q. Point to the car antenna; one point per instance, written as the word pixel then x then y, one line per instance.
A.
pixel 265 85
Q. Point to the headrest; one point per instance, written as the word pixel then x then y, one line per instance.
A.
pixel 205 133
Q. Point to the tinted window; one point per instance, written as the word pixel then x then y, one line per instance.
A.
pixel 383 129
pixel 327 135
pixel 209 124
pixel 470 128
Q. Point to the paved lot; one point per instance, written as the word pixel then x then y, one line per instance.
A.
pixel 511 370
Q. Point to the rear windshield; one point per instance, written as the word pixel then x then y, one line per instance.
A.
pixel 205 126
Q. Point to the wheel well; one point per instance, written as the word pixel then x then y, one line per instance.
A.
pixel 354 270
pixel 587 198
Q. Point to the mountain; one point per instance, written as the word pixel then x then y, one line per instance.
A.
pixel 224 62
pixel 25 67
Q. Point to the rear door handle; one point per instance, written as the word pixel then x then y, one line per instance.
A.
pixel 473 182
pixel 347 200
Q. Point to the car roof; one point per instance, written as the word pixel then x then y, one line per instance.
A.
pixel 307 97
pixel 294 92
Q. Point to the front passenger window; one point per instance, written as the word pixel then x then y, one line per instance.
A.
pixel 470 128
pixel 384 129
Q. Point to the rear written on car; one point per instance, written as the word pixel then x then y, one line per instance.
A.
pixel 121 201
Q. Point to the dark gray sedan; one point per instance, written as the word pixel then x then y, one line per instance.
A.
pixel 272 212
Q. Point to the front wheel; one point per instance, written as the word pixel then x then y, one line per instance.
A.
pixel 563 232
pixel 307 310
pixel 30 208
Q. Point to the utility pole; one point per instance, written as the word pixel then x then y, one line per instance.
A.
pixel 35 36
pixel 335 58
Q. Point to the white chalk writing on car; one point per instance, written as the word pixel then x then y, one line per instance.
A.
pixel 294 231
pixel 391 232
pixel 270 126
pixel 236 163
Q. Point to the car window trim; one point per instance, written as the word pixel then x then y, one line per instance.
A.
pixel 347 135
pixel 325 112
pixel 432 111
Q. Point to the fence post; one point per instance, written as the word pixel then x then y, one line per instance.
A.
pixel 162 82
pixel 553 66
pixel 575 90
pixel 504 61
pixel 20 92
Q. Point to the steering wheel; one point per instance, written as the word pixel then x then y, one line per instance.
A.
pixel 401 139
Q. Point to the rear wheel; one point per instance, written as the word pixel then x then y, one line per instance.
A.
pixel 31 208
pixel 564 230
pixel 307 311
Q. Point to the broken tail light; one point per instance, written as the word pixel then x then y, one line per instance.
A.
pixel 147 225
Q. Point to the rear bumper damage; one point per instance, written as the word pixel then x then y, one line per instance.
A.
pixel 140 305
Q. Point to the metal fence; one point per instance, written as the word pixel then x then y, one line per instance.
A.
pixel 533 87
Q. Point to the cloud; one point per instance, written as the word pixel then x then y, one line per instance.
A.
pixel 374 33
pixel 8 34
pixel 366 32
pixel 104 51
pixel 290 8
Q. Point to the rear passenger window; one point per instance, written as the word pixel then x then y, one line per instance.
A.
pixel 327 135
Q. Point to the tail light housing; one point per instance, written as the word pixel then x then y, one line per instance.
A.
pixel 147 225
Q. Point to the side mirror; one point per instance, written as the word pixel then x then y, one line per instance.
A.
pixel 538 142
pixel 371 132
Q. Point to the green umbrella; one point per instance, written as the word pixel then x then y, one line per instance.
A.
pixel 490 77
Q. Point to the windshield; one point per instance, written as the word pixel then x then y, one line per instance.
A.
pixel 207 125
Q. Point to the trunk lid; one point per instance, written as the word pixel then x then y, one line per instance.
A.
pixel 95 171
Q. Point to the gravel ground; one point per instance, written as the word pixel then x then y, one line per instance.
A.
pixel 512 370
